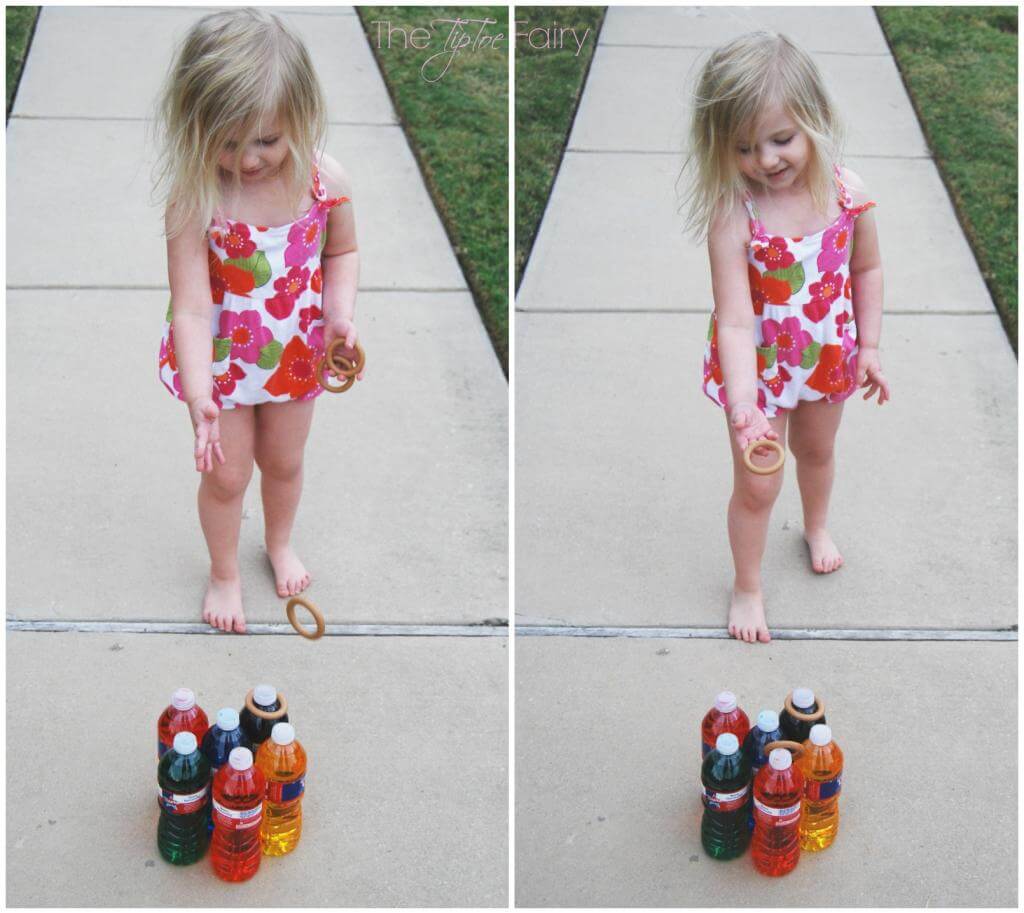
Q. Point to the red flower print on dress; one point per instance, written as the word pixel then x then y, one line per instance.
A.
pixel 309 315
pixel 237 241
pixel 789 338
pixel 304 238
pixel 227 381
pixel 227 278
pixel 246 332
pixel 774 255
pixel 835 243
pixel 294 284
pixel 823 293
pixel 177 391
pixel 296 375
pixel 317 281
pixel 831 375
pixel 848 287
pixel 766 290
pixel 167 354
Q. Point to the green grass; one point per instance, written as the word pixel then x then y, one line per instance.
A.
pixel 548 88
pixel 960 66
pixel 20 22
pixel 458 129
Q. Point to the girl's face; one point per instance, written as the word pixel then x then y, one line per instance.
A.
pixel 261 158
pixel 779 154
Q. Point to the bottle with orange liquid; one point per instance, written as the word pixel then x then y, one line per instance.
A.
pixel 778 790
pixel 238 791
pixel 182 715
pixel 725 716
pixel 282 760
pixel 822 767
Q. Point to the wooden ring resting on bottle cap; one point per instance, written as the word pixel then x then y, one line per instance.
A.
pixel 795 747
pixel 764 470
pixel 313 610
pixel 800 715
pixel 250 705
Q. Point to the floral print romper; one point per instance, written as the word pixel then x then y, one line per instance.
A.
pixel 268 328
pixel 804 328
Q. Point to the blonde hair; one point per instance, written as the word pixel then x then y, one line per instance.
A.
pixel 233 71
pixel 737 83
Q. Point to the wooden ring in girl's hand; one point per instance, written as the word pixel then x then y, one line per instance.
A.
pixel 251 706
pixel 341 364
pixel 795 747
pixel 313 610
pixel 326 372
pixel 764 470
pixel 800 715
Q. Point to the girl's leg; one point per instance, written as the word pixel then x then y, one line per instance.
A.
pixel 812 435
pixel 220 513
pixel 281 432
pixel 749 510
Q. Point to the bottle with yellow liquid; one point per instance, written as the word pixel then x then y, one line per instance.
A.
pixel 822 767
pixel 282 761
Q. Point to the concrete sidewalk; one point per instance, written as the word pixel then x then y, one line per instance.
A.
pixel 403 521
pixel 623 475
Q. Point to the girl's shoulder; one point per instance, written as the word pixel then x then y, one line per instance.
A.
pixel 334 178
pixel 730 226
pixel 855 187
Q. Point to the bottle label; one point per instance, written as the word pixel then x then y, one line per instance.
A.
pixel 779 817
pixel 161 749
pixel 817 790
pixel 238 819
pixel 725 802
pixel 182 803
pixel 705 749
pixel 286 792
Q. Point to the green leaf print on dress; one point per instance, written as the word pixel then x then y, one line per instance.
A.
pixel 792 275
pixel 768 353
pixel 270 355
pixel 257 265
pixel 810 356
pixel 221 348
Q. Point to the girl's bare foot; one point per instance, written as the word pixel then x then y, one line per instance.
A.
pixel 825 557
pixel 222 604
pixel 289 572
pixel 746 617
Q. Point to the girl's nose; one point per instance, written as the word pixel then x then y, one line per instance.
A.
pixel 250 160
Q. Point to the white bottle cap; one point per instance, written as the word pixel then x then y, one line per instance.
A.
pixel 283 733
pixel 767 721
pixel 264 695
pixel 726 743
pixel 780 759
pixel 185 742
pixel 227 719
pixel 803 698
pixel 240 758
pixel 821 734
pixel 726 702
pixel 183 699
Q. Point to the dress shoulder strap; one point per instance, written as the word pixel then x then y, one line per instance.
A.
pixel 756 228
pixel 320 192
pixel 845 199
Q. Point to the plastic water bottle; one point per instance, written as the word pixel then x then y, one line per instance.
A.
pixel 725 776
pixel 220 740
pixel 238 791
pixel 725 716
pixel 282 761
pixel 762 733
pixel 799 730
pixel 822 767
pixel 182 715
pixel 778 790
pixel 257 729
pixel 184 793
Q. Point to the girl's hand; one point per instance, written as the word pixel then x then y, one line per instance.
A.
pixel 205 417
pixel 341 328
pixel 750 424
pixel 869 374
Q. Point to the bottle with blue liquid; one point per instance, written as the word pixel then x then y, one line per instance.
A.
pixel 765 731
pixel 220 740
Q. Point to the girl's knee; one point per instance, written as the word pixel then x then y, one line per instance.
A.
pixel 758 493
pixel 280 467
pixel 812 453
pixel 226 484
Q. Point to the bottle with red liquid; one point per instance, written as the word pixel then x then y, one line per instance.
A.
pixel 238 791
pixel 725 716
pixel 182 715
pixel 778 789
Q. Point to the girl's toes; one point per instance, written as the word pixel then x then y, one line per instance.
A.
pixel 764 636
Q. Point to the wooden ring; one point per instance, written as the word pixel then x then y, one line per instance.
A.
pixel 325 369
pixel 313 610
pixel 795 747
pixel 764 470
pixel 250 705
pixel 340 364
pixel 800 715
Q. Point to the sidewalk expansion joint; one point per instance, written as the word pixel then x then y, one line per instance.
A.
pixel 708 47
pixel 696 310
pixel 493 627
pixel 440 290
pixel 117 118
pixel 678 153
pixel 894 634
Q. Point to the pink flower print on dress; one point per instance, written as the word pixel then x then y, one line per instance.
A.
pixel 835 244
pixel 789 338
pixel 237 242
pixel 246 332
pixel 288 288
pixel 304 239
pixel 823 293
pixel 775 255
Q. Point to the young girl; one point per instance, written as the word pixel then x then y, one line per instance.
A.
pixel 263 268
pixel 797 284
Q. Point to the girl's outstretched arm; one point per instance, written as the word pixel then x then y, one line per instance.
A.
pixel 188 273
pixel 734 313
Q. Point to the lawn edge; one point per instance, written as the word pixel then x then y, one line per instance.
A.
pixel 24 59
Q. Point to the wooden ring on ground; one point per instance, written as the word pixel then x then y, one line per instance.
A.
pixel 764 470
pixel 800 715
pixel 250 705
pixel 313 610
pixel 794 747
pixel 342 365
